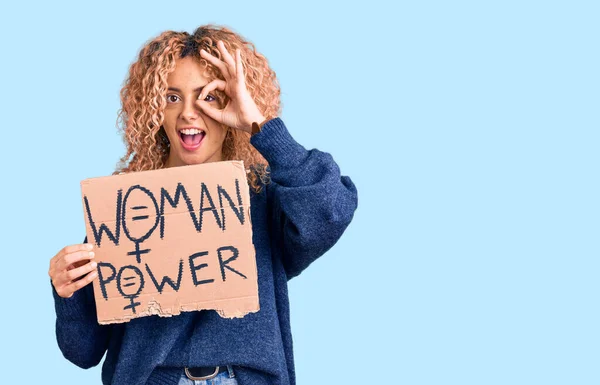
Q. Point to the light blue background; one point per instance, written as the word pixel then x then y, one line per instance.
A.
pixel 470 129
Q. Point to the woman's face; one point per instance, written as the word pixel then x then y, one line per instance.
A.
pixel 195 138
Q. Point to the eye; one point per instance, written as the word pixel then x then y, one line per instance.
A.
pixel 210 96
pixel 170 100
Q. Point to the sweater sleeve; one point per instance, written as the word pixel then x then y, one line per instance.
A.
pixel 80 338
pixel 312 204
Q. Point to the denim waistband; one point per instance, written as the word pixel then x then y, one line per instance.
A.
pixel 163 374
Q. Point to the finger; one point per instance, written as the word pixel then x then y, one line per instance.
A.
pixel 211 111
pixel 57 262
pixel 73 287
pixel 72 258
pixel 73 248
pixel 239 67
pixel 215 84
pixel 216 62
pixel 59 278
pixel 74 274
pixel 227 57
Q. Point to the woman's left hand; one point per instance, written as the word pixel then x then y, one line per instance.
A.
pixel 241 110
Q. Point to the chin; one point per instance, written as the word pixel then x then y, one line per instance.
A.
pixel 191 159
pixel 182 157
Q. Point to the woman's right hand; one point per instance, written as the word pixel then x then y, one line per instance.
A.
pixel 72 268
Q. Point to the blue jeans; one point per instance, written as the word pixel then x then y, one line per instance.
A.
pixel 223 378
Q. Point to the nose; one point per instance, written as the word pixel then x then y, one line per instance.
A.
pixel 190 111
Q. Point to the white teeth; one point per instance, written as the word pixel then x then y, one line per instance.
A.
pixel 191 131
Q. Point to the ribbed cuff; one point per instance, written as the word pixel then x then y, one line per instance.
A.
pixel 73 307
pixel 164 376
pixel 277 145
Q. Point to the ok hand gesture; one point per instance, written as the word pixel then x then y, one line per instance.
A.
pixel 241 110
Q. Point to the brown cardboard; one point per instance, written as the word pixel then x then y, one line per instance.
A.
pixel 205 249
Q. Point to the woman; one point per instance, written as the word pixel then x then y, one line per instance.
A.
pixel 191 99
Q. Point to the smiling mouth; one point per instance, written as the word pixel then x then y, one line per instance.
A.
pixel 191 139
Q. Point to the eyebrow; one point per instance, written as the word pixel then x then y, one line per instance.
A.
pixel 199 89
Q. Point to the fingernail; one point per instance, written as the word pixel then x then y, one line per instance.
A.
pixel 94 273
pixel 94 264
pixel 89 246
pixel 92 254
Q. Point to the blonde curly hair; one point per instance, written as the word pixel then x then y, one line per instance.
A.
pixel 143 98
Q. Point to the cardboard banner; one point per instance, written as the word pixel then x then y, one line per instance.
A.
pixel 172 240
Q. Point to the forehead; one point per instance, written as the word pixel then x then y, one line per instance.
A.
pixel 188 74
